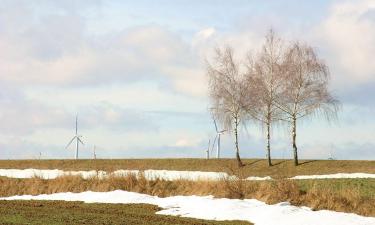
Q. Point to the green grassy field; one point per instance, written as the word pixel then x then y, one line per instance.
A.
pixel 363 187
pixel 78 213
pixel 254 167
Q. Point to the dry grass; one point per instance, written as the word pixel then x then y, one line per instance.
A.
pixel 314 194
pixel 349 195
pixel 254 167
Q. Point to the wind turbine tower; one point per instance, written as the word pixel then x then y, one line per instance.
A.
pixel 217 139
pixel 78 140
pixel 208 149
pixel 94 152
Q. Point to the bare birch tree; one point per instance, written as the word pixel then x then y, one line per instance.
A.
pixel 264 75
pixel 228 92
pixel 305 81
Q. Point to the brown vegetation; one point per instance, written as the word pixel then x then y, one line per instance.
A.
pixel 347 198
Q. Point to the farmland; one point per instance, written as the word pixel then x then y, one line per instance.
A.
pixel 253 167
pixel 345 195
pixel 77 213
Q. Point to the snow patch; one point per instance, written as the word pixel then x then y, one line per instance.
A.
pixel 211 208
pixel 335 176
pixel 259 178
pixel 161 174
pixel 149 174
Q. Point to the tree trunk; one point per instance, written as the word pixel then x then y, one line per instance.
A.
pixel 240 164
pixel 269 144
pixel 294 135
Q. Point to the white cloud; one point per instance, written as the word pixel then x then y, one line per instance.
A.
pixel 21 116
pixel 116 119
pixel 187 141
pixel 56 50
pixel 52 67
pixel 348 38
pixel 203 35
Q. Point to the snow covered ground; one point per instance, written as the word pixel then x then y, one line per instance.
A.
pixel 336 176
pixel 162 174
pixel 47 174
pixel 211 208
pixel 149 174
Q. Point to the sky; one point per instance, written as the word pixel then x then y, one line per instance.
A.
pixel 133 72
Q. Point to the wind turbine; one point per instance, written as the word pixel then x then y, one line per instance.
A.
pixel 94 152
pixel 77 138
pixel 208 149
pixel 217 139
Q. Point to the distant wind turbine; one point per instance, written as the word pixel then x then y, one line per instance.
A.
pixel 94 152
pixel 217 139
pixel 208 149
pixel 78 140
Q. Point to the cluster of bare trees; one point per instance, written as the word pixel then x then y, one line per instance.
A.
pixel 280 84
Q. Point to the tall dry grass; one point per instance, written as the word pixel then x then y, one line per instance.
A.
pixel 345 200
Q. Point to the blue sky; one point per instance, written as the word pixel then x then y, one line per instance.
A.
pixel 133 71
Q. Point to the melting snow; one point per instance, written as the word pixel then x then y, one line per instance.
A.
pixel 211 208
pixel 162 174
pixel 149 174
pixel 335 176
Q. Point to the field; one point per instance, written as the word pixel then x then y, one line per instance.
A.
pixel 78 213
pixel 254 167
pixel 344 195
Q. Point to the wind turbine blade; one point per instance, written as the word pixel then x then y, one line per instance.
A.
pixel 216 126
pixel 208 147
pixel 79 139
pixel 213 143
pixel 70 142
pixel 76 124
